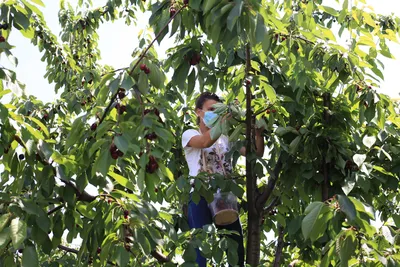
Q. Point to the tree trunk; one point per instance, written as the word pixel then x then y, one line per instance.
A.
pixel 325 166
pixel 253 239
pixel 253 234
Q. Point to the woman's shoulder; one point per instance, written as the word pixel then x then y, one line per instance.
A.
pixel 191 132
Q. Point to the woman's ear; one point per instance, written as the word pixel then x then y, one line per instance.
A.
pixel 197 111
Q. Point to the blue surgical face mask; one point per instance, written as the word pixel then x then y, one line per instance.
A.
pixel 209 118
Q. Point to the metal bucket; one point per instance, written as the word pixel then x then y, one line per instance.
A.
pixel 224 208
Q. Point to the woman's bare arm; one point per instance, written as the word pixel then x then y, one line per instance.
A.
pixel 259 144
pixel 202 141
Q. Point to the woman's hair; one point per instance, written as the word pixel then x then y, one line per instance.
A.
pixel 202 98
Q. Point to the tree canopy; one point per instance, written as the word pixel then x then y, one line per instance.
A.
pixel 332 165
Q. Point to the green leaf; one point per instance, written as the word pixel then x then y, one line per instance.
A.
pixel 217 254
pixel 122 181
pixel 127 82
pixel 17 232
pixel 143 83
pixel 396 219
pixel 85 210
pixel 43 221
pixel 131 196
pixel 21 20
pixel 4 220
pixel 216 131
pixel 40 124
pixel 38 2
pixel 190 253
pixel 76 130
pixel 329 10
pixel 348 185
pixel 29 207
pixel 314 224
pixel 121 142
pixel 157 77
pixel 348 245
pixel 30 257
pixel 103 162
pixel 208 4
pixel 141 179
pixel 191 82
pixel 294 145
pixel 37 134
pixel 359 159
pixel 361 207
pixel 261 30
pixel 369 141
pixel 347 207
pixel 270 91
pixel 4 237
pixel 234 14
pixel 233 257
pixel 143 241
pixel 122 256
pixel 180 75
pixel 235 134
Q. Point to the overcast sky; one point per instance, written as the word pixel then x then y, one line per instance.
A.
pixel 118 40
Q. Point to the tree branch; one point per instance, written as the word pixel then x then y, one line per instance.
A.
pixel 269 187
pixel 137 62
pixel 279 247
pixel 160 257
pixel 325 165
pixel 250 181
pixel 72 250
pixel 67 249
pixel 272 205
pixel 55 209
pixel 82 196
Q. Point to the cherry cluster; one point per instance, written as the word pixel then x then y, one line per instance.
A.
pixel 115 152
pixel 194 59
pixel 360 88
pixel 143 67
pixel 152 165
pixel 153 135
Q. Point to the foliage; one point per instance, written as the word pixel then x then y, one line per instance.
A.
pixel 333 141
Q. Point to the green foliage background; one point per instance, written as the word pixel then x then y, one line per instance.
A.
pixel 332 140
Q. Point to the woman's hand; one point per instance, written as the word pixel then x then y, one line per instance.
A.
pixel 259 130
pixel 226 117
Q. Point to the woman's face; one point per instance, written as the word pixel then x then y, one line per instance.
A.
pixel 207 106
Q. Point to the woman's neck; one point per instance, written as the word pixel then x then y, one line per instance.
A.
pixel 203 128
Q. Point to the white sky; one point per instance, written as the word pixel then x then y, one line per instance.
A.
pixel 117 41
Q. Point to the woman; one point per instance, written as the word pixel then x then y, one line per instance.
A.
pixel 197 143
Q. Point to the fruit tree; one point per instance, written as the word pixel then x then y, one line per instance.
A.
pixel 331 166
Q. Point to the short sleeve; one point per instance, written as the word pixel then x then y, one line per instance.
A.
pixel 187 135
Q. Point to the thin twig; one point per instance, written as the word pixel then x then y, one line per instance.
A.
pixel 279 247
pixel 263 110
pixel 269 187
pixel 72 250
pixel 272 205
pixel 55 209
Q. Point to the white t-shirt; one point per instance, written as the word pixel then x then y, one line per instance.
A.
pixel 215 155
